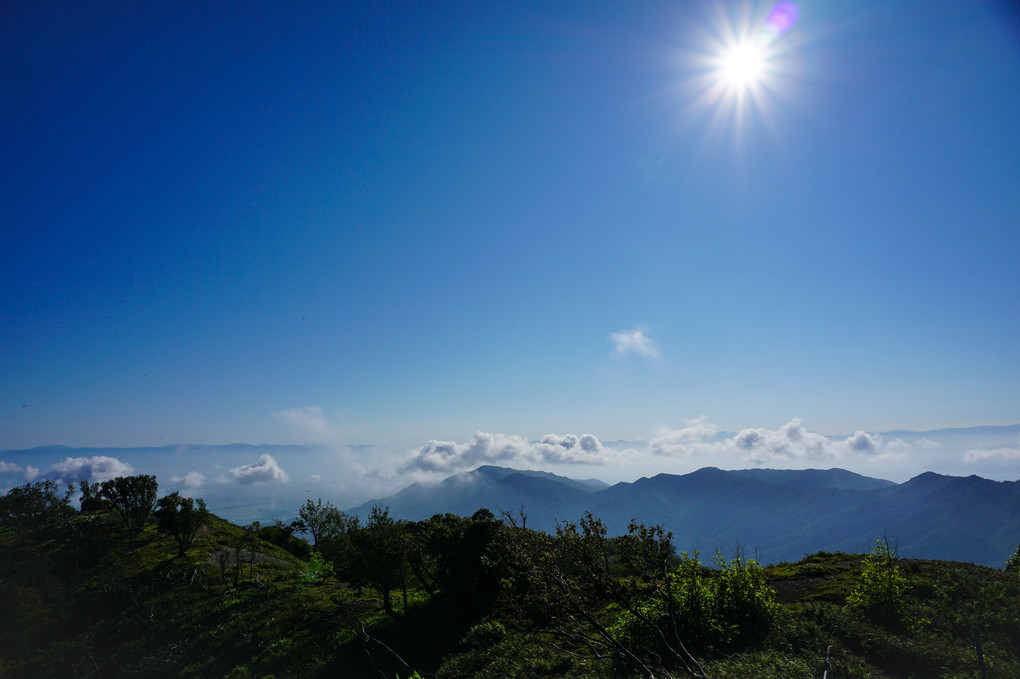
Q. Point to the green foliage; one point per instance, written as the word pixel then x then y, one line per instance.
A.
pixel 282 534
pixel 317 568
pixel 91 497
pixel 323 521
pixel 133 497
pixel 729 609
pixel 743 603
pixel 484 600
pixel 39 504
pixel 181 517
pixel 879 594
pixel 1013 562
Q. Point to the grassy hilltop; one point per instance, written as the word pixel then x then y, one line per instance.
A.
pixel 82 596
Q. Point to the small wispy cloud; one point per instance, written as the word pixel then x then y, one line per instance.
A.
pixel 635 342
pixel 9 468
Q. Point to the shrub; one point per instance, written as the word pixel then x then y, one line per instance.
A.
pixel 879 594
pixel 732 610
pixel 744 603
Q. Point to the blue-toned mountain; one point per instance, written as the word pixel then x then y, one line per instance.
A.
pixel 780 515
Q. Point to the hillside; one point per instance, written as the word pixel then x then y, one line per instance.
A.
pixel 780 515
pixel 80 597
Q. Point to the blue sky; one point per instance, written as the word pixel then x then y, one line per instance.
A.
pixel 386 223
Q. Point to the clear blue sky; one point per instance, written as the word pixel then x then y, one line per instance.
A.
pixel 388 222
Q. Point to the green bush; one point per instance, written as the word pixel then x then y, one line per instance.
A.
pixel 879 595
pixel 744 604
pixel 712 612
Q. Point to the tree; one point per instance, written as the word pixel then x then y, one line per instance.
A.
pixel 1013 563
pixel 181 517
pixel 133 497
pixel 322 521
pixel 381 557
pixel 35 504
pixel 91 497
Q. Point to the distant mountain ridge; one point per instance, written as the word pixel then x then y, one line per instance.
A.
pixel 779 514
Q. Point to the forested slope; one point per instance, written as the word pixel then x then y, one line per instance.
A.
pixel 83 594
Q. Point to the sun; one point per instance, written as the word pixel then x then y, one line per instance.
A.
pixel 742 66
pixel 739 67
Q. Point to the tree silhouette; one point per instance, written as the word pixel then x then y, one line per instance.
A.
pixel 133 497
pixel 181 517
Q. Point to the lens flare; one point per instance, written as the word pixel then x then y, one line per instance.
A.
pixel 781 19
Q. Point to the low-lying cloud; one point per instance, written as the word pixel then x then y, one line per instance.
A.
pixel 993 455
pixel 758 446
pixel 264 471
pixel 95 469
pixel 190 480
pixel 486 448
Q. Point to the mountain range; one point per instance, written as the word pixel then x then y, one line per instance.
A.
pixel 777 515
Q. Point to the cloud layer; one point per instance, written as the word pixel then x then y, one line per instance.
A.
pixel 760 446
pixel 486 448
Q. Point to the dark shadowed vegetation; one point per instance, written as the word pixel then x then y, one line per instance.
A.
pixel 135 586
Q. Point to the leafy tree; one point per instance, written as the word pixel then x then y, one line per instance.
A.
pixel 181 517
pixel 323 521
pixel 35 504
pixel 1013 562
pixel 133 497
pixel 880 593
pixel 91 497
pixel 381 559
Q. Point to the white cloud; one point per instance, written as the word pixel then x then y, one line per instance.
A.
pixel 31 472
pixel 9 468
pixel 791 441
pixel 688 440
pixel 634 342
pixel 265 470
pixel 97 468
pixel 863 443
pixel 190 480
pixel 993 455
pixel 486 448
pixel 759 446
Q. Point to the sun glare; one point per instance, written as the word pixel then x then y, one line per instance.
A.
pixel 742 66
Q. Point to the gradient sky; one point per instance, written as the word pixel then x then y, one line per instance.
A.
pixel 389 222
